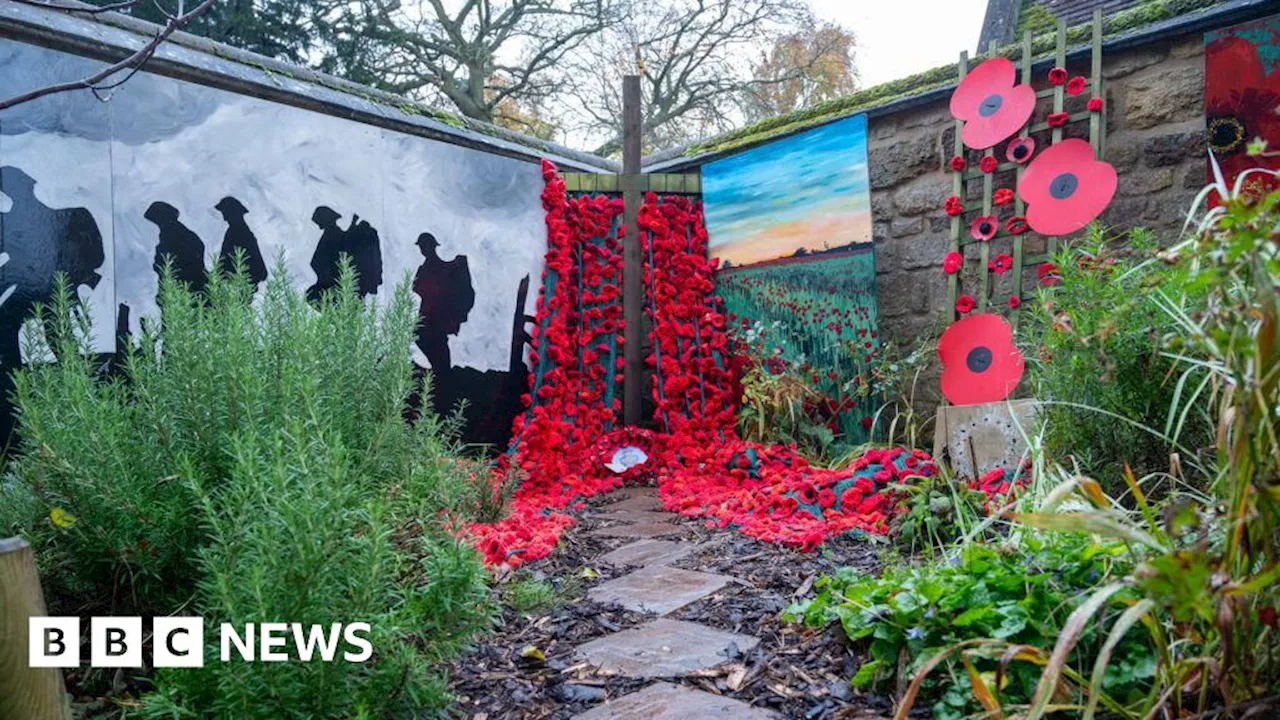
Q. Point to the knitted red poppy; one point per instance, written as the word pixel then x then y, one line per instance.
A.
pixel 1077 85
pixel 1021 150
pixel 1001 264
pixel 1016 224
pixel 1057 76
pixel 1058 119
pixel 1015 302
pixel 1066 188
pixel 958 163
pixel 965 304
pixel 979 360
pixel 954 206
pixel 1002 196
pixel 953 262
pixel 990 104
pixel 984 227
pixel 988 164
pixel 1095 104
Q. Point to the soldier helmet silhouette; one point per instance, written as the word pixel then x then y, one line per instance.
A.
pixel 12 179
pixel 231 206
pixel 324 215
pixel 427 240
pixel 159 212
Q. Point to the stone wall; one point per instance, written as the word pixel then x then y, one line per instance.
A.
pixel 1155 122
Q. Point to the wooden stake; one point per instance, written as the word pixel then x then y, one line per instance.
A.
pixel 26 693
pixel 632 275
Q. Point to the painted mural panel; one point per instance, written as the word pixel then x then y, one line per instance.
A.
pixel 790 222
pixel 178 172
pixel 1242 98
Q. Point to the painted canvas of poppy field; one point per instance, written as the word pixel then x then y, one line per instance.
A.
pixel 790 224
pixel 1242 99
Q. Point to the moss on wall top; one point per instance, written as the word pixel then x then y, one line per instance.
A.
pixel 1042 45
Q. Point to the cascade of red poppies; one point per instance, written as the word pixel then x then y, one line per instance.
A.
pixel 701 466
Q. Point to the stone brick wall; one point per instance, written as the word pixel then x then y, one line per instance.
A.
pixel 1155 121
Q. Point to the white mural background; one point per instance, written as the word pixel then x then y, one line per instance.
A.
pixel 160 139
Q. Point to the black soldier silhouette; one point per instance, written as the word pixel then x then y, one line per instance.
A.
pixel 446 298
pixel 359 241
pixel 38 242
pixel 178 245
pixel 239 238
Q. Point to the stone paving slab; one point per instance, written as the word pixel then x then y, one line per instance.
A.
pixel 664 701
pixel 657 589
pixel 640 530
pixel 648 552
pixel 637 516
pixel 640 502
pixel 635 491
pixel 664 648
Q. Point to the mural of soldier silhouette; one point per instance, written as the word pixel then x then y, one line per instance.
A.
pixel 178 245
pixel 38 242
pixel 447 296
pixel 359 241
pixel 240 238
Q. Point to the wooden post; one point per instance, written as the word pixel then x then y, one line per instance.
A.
pixel 632 273
pixel 26 693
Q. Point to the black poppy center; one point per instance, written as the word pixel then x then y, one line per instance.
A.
pixel 985 228
pixel 979 359
pixel 1226 134
pixel 1020 151
pixel 1064 186
pixel 990 105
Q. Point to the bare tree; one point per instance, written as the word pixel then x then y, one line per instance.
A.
pixel 695 59
pixel 118 73
pixel 484 56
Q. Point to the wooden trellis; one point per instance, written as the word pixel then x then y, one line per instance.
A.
pixel 960 238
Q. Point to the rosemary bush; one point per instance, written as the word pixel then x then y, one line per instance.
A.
pixel 252 463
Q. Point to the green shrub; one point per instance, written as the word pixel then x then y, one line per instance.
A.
pixel 253 464
pixel 1015 593
pixel 1095 347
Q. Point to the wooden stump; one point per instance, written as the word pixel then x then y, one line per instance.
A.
pixel 26 693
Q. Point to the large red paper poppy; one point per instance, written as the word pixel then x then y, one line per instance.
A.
pixel 990 104
pixel 1066 188
pixel 979 360
pixel 1242 102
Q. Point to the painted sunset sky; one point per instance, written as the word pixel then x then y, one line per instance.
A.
pixel 809 190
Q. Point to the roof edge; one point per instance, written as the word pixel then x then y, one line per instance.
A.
pixel 183 56
pixel 937 83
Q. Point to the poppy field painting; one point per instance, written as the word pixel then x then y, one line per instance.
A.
pixel 790 224
pixel 1242 99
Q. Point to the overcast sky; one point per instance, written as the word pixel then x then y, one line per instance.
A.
pixel 897 38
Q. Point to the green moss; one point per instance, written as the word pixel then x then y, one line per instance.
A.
pixel 1036 19
pixel 1042 45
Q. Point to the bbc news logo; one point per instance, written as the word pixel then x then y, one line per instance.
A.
pixel 116 642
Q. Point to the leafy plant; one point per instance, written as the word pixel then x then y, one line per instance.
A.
pixel 1015 593
pixel 938 511
pixel 779 405
pixel 1095 344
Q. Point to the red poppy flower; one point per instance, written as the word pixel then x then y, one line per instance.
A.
pixel 965 304
pixel 990 104
pixel 953 262
pixel 1077 85
pixel 1002 196
pixel 1095 104
pixel 1016 224
pixel 988 164
pixel 1015 302
pixel 1049 274
pixel 954 206
pixel 1001 264
pixel 958 164
pixel 1058 119
pixel 1057 76
pixel 984 227
pixel 1066 188
pixel 1021 150
pixel 1242 102
pixel 1268 616
pixel 979 360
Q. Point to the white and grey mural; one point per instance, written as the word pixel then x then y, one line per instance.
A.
pixel 107 188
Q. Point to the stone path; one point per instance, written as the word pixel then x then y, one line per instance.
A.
pixel 661 648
